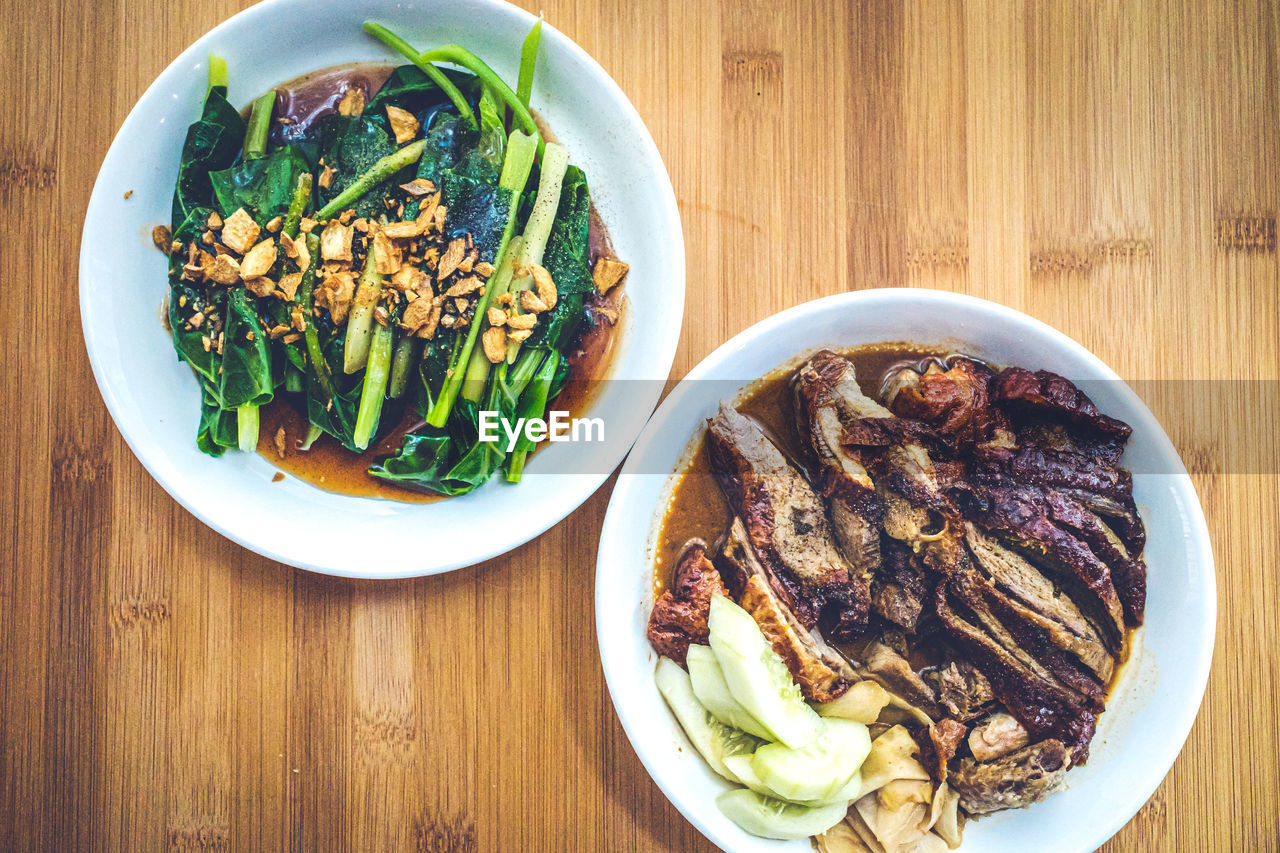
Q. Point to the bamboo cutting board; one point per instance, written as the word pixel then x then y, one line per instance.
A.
pixel 1110 168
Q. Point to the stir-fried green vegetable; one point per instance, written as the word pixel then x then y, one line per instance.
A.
pixel 425 250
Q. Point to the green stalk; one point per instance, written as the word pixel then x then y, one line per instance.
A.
pixel 292 379
pixel 375 388
pixel 306 295
pixel 217 73
pixel 383 169
pixel 459 55
pixel 247 427
pixel 523 370
pixel 255 139
pixel 313 432
pixel 355 352
pixel 478 369
pixel 515 174
pixel 255 145
pixel 436 76
pixel 538 229
pixel 298 205
pixel 402 361
pixel 533 405
pixel 528 61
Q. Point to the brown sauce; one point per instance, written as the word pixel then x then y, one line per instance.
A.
pixel 328 465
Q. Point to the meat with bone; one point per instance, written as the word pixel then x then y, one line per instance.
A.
pixel 1013 781
pixel 894 673
pixel 997 735
pixel 822 673
pixel 1043 706
pixel 679 616
pixel 785 520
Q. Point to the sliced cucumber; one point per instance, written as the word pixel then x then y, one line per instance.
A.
pixel 757 677
pixel 770 818
pixel 714 694
pixel 712 738
pixel 818 771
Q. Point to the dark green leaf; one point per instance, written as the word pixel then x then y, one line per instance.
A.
pixel 213 142
pixel 263 186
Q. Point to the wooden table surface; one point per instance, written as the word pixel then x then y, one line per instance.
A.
pixel 1110 168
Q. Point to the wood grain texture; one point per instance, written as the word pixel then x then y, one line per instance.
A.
pixel 1109 167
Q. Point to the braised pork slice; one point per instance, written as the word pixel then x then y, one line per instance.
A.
pixel 679 616
pixel 955 402
pixel 822 673
pixel 785 520
pixel 894 673
pixel 1013 781
pixel 1128 574
pixel 840 477
pixel 996 736
pixel 1055 397
pixel 1051 610
pixel 1045 707
pixel 1021 516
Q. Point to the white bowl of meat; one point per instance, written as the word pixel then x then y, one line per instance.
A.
pixel 907 571
pixel 406 241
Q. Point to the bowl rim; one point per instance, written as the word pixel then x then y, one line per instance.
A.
pixel 666 337
pixel 653 756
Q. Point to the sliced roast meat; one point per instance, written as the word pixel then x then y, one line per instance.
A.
pixel 1013 781
pixel 1042 705
pixel 899 590
pixel 894 673
pixel 955 402
pixel 822 672
pixel 1022 640
pixel 1022 517
pixel 784 518
pixel 963 691
pixel 1058 614
pixel 1127 573
pixel 1054 397
pixel 996 736
pixel 938 743
pixel 679 616
pixel 1098 484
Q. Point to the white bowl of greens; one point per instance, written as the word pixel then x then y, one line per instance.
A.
pixel 187 404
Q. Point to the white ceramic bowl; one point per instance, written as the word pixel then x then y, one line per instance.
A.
pixel 1159 692
pixel 154 399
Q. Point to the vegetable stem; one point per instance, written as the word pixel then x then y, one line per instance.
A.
pixel 255 138
pixel 459 55
pixel 247 427
pixel 355 352
pixel 478 369
pixel 533 405
pixel 538 229
pixel 375 388
pixel 306 295
pixel 436 76
pixel 528 61
pixel 381 170
pixel 217 73
pixel 298 206
pixel 515 174
pixel 402 366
